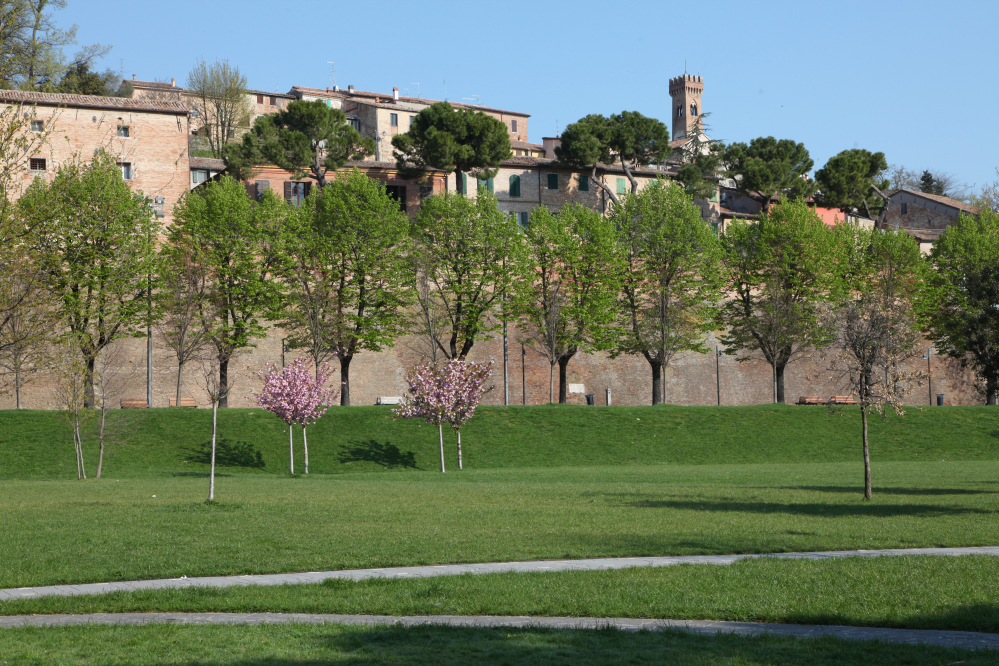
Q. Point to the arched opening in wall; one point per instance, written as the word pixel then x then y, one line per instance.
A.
pixel 693 109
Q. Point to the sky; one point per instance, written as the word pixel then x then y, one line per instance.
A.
pixel 915 80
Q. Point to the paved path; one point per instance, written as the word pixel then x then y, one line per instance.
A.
pixel 960 639
pixel 455 569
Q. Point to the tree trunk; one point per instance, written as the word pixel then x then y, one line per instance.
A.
pixel 180 373
pixel 563 386
pixel 780 383
pixel 100 442
pixel 459 451
pixel 211 474
pixel 991 384
pixel 291 449
pixel 305 448
pixel 79 448
pixel 440 434
pixel 657 382
pixel 88 386
pixel 345 379
pixel 223 383
pixel 867 453
pixel 17 386
pixel 551 383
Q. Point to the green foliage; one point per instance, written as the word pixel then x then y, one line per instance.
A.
pixel 347 272
pixel 931 185
pixel 781 271
pixel 443 138
pixel 468 254
pixel 770 167
pixel 217 93
pixel 845 182
pixel 570 299
pixel 961 312
pixel 238 243
pixel 80 80
pixel 671 279
pixel 627 138
pixel 307 139
pixel 92 237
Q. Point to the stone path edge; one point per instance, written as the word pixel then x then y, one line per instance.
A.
pixel 593 564
pixel 955 639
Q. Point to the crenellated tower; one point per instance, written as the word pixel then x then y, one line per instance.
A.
pixel 686 92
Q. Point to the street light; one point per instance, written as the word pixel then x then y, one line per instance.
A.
pixel 929 373
pixel 718 356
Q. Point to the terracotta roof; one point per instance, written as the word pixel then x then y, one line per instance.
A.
pixel 947 201
pixel 272 94
pixel 91 101
pixel 925 235
pixel 676 143
pixel 158 85
pixel 387 99
pixel 207 163
pixel 527 145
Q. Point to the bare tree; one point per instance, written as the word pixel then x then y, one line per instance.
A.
pixel 113 374
pixel 429 318
pixel 218 98
pixel 72 388
pixel 26 333
pixel 218 390
pixel 547 332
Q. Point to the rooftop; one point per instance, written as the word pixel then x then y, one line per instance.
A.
pixel 207 163
pixel 91 101
pixel 947 201
pixel 386 98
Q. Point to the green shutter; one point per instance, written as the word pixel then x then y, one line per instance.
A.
pixel 515 185
pixel 489 185
pixel 464 183
pixel 553 181
pixel 620 186
pixel 584 184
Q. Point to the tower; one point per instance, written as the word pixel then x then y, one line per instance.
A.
pixel 686 93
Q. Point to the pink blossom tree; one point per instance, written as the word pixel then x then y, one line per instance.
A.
pixel 296 398
pixel 446 394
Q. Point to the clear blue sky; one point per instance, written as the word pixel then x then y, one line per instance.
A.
pixel 916 80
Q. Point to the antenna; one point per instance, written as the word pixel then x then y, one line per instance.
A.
pixel 473 99
pixel 417 84
pixel 332 73
pixel 556 128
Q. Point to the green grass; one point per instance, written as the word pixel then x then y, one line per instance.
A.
pixel 69 531
pixel 944 593
pixel 37 444
pixel 283 645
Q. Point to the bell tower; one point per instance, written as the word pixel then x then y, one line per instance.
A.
pixel 686 92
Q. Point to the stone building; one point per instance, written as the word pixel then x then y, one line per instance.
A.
pixel 924 216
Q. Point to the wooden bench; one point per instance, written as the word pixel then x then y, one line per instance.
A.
pixel 134 403
pixel 842 400
pixel 184 402
pixel 389 401
pixel 811 400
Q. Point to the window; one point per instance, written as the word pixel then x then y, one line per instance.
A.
pixel 394 119
pixel 714 228
pixel 620 186
pixel 553 181
pixel 464 183
pixel 123 131
pixel 295 193
pixel 488 184
pixel 199 176
pixel 37 125
pixel 260 99
pixel 525 218
pixel 37 164
pixel 126 170
pixel 355 123
pixel 194 113
pixel 513 125
pixel 412 119
pixel 515 185
pixel 397 192
pixel 584 184
pixel 273 100
pixel 905 209
pixel 693 109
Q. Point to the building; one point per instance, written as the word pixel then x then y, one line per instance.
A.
pixel 924 216
pixel 148 137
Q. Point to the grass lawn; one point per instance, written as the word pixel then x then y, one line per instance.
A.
pixel 68 531
pixel 923 592
pixel 283 645
pixel 37 444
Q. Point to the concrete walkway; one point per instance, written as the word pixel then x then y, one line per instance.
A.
pixel 456 569
pixel 958 639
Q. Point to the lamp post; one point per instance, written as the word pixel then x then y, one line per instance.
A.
pixel 284 348
pixel 929 373
pixel 523 372
pixel 718 373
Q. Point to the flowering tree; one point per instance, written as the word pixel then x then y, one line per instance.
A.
pixel 468 382
pixel 296 398
pixel 447 394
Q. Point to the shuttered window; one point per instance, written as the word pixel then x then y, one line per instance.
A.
pixel 260 99
pixel 525 219
pixel 584 184
pixel 513 125
pixel 464 183
pixel 553 181
pixel 620 186
pixel 394 119
pixel 397 192
pixel 488 184
pixel 296 192
pixel 515 185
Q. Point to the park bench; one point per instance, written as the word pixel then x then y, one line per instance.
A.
pixel 389 401
pixel 184 402
pixel 811 400
pixel 134 403
pixel 842 400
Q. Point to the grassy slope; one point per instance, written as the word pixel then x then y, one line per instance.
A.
pixel 37 444
pixel 284 645
pixel 68 531
pixel 944 593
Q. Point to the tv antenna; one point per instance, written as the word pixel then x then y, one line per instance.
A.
pixel 332 73
pixel 417 84
pixel 473 99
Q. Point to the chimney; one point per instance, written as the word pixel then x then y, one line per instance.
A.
pixel 133 77
pixel 173 83
pixel 395 94
pixel 550 142
pixel 350 89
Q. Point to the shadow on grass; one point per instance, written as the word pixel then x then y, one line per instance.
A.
pixel 859 490
pixel 816 509
pixel 198 475
pixel 228 453
pixel 385 454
